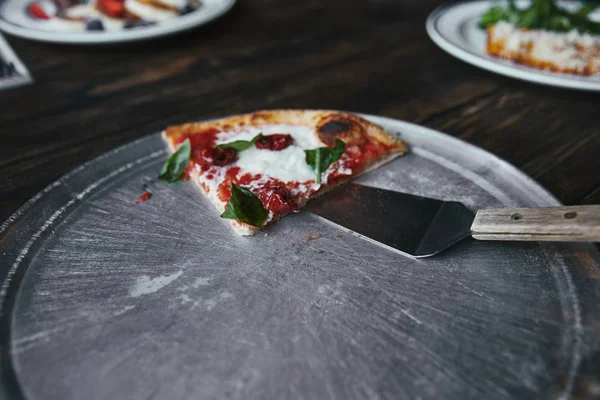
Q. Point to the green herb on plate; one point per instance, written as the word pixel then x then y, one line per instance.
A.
pixel 321 158
pixel 543 14
pixel 240 145
pixel 245 206
pixel 175 166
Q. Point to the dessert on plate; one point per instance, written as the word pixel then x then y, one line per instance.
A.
pixel 106 15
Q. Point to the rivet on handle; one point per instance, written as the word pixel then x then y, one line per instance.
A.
pixel 570 215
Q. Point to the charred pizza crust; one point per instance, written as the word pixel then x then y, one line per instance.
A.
pixel 328 125
pixel 356 132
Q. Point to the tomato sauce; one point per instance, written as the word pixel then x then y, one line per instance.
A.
pixel 144 197
pixel 275 195
pixel 275 142
pixel 200 139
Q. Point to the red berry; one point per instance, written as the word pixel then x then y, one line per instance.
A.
pixel 114 8
pixel 37 11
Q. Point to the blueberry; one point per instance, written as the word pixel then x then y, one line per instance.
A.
pixel 94 25
pixel 187 9
pixel 143 22
pixel 137 24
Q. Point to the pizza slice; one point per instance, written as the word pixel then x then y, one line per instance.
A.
pixel 566 52
pixel 258 167
pixel 545 34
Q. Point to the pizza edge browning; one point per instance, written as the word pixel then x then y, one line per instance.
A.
pixel 496 46
pixel 328 125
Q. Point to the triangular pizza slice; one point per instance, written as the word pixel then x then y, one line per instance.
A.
pixel 257 167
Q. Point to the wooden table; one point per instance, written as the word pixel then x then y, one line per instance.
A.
pixel 365 56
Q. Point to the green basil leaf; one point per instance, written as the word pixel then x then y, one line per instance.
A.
pixel 175 166
pixel 338 150
pixel 245 207
pixel 240 145
pixel 321 158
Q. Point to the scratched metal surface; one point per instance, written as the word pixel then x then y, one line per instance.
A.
pixel 106 299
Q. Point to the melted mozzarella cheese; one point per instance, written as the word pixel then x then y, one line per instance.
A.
pixel 303 137
pixel 288 164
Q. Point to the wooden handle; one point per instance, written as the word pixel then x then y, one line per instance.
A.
pixel 560 224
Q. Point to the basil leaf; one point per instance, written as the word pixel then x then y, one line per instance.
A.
pixel 240 145
pixel 175 166
pixel 245 206
pixel 321 158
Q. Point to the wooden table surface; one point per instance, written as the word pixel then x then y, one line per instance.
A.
pixel 370 56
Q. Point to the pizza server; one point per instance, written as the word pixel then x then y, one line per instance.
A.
pixel 421 227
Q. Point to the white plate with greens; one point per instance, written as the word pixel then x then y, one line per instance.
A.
pixel 455 28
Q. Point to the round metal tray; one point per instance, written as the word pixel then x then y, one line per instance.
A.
pixel 103 298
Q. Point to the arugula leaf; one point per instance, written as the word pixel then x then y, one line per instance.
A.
pixel 542 14
pixel 240 145
pixel 558 23
pixel 245 206
pixel 493 16
pixel 586 9
pixel 175 166
pixel 321 158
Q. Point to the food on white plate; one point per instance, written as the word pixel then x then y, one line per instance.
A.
pixel 256 168
pixel 106 15
pixel 545 36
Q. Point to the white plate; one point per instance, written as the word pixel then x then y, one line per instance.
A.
pixel 13 21
pixel 454 27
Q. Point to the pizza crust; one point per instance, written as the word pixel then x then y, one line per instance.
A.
pixel 314 119
pixel 328 125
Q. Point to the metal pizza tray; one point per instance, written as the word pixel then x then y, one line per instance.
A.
pixel 103 298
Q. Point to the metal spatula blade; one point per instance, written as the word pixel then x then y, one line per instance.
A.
pixel 415 225
pixel 421 227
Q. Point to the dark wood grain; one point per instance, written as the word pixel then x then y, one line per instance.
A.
pixel 366 56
